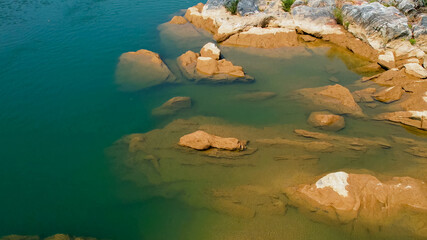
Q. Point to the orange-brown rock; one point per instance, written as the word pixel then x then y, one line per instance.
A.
pixel 227 67
pixel 364 95
pixel 207 65
pixel 342 197
pixel 193 15
pixel 201 140
pixel 416 119
pixel 142 69
pixel 390 94
pixel 326 121
pixel 210 50
pixel 308 38
pixel 178 20
pixel 335 98
pixel 263 38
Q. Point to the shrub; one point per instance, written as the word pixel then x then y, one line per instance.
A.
pixel 346 24
pixel 338 16
pixel 286 5
pixel 232 6
pixel 412 41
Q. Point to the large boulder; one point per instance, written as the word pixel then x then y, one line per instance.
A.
pixel 344 198
pixel 201 140
pixel 335 98
pixel 326 121
pixel 375 23
pixel 142 69
pixel 173 106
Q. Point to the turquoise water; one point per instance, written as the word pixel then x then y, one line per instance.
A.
pixel 60 109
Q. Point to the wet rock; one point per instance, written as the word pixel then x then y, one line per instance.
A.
pixel 308 38
pixel 142 69
pixel 20 237
pixel 256 96
pixel 416 119
pixel 312 146
pixel 178 20
pixel 201 140
pixel 326 121
pixel 364 95
pixel 173 106
pixel 210 50
pixel 386 60
pixel 336 98
pixel 390 94
pixel 415 70
pixel 334 79
pixel 344 197
pixel 375 23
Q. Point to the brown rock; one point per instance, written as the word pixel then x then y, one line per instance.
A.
pixel 142 69
pixel 326 121
pixel 342 197
pixel 226 67
pixel 390 94
pixel 207 65
pixel 178 20
pixel 172 106
pixel 263 38
pixel 336 98
pixel 210 50
pixel 414 119
pixel 364 95
pixel 201 140
pixel 308 38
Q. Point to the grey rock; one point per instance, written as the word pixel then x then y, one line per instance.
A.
pixel 246 7
pixel 421 27
pixel 387 22
pixel 321 3
pixel 214 4
pixel 408 7
pixel 298 3
pixel 313 13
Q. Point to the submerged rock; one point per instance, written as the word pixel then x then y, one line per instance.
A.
pixel 390 94
pixel 201 140
pixel 416 119
pixel 364 95
pixel 173 106
pixel 344 197
pixel 142 69
pixel 53 237
pixel 256 96
pixel 326 121
pixel 336 98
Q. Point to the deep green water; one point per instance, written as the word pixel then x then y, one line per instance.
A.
pixel 60 109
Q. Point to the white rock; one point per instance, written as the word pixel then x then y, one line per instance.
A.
pixel 416 70
pixel 337 181
pixel 210 50
pixel 204 58
pixel 387 59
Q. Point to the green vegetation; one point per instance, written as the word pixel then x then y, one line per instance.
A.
pixel 412 41
pixel 346 24
pixel 338 16
pixel 286 5
pixel 232 6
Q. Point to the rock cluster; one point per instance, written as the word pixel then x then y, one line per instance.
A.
pixel 208 66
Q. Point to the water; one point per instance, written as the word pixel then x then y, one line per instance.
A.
pixel 60 109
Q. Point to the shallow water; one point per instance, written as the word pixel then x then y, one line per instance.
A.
pixel 60 109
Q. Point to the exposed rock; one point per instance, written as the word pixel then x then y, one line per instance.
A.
pixel 421 28
pixel 343 197
pixel 204 68
pixel 416 119
pixel 210 50
pixel 256 96
pixel 316 21
pixel 173 106
pixel 364 95
pixel 407 7
pixel 326 121
pixel 390 94
pixel 178 20
pixel 201 140
pixel 415 70
pixel 387 60
pixel 264 38
pixel 245 7
pixel 375 23
pixel 336 98
pixel 142 69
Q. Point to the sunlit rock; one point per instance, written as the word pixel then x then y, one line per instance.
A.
pixel 387 60
pixel 326 121
pixel 142 69
pixel 345 197
pixel 210 50
pixel 201 140
pixel 173 106
pixel 416 70
pixel 178 20
pixel 336 98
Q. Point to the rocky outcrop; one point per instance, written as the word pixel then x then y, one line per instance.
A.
pixel 264 38
pixel 173 106
pixel 178 20
pixel 415 70
pixel 344 197
pixel 375 23
pixel 326 121
pixel 208 67
pixel 316 21
pixel 142 69
pixel 201 140
pixel 336 98
pixel 416 119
